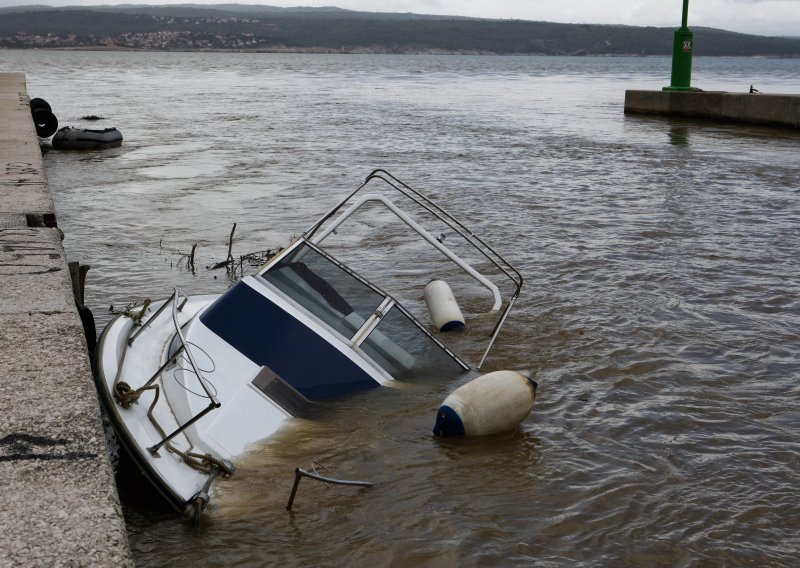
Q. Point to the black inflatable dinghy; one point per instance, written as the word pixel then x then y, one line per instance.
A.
pixel 70 138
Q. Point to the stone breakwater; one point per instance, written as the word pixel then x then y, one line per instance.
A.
pixel 750 108
pixel 59 500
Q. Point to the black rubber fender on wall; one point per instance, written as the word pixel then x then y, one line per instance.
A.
pixel 46 123
pixel 37 104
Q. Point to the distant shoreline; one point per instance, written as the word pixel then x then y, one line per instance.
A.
pixel 373 51
pixel 250 29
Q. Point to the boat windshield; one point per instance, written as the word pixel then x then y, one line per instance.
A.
pixel 345 302
pixel 398 345
pixel 329 292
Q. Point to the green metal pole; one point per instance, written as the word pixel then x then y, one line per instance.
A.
pixel 682 47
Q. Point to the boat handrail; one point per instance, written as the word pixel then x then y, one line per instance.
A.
pixel 144 326
pixel 434 209
pixel 454 224
pixel 185 346
pixel 374 197
pixel 214 402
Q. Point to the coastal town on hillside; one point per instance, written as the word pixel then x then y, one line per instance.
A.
pixel 159 40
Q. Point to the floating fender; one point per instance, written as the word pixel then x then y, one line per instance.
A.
pixel 46 123
pixel 442 305
pixel 492 403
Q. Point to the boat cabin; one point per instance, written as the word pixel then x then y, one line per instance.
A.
pixel 322 330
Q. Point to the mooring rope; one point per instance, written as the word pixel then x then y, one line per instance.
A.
pixel 204 463
pixel 123 392
pixel 127 395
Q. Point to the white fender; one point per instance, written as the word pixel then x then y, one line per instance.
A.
pixel 442 305
pixel 492 403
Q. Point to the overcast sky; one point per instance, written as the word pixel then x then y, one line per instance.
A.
pixel 766 17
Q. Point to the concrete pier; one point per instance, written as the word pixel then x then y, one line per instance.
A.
pixel 59 500
pixel 750 108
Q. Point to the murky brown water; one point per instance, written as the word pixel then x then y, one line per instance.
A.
pixel 660 313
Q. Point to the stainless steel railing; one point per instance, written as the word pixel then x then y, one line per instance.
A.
pixel 177 301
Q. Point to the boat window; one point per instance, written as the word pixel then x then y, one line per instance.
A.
pixel 281 392
pixel 405 351
pixel 332 294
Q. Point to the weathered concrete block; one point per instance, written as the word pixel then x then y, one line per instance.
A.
pixel 13 92
pixel 21 162
pixel 12 220
pixel 33 272
pixel 750 108
pixel 60 504
pixel 23 184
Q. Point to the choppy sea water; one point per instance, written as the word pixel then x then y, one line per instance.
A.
pixel 660 314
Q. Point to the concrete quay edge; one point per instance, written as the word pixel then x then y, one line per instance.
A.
pixel 23 184
pixel 60 502
pixel 748 108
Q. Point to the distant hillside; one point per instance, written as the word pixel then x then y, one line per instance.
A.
pixel 266 28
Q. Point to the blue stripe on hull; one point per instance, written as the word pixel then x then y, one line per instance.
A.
pixel 269 336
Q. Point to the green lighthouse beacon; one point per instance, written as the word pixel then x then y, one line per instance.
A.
pixel 682 48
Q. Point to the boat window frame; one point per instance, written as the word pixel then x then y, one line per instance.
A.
pixel 370 322
pixel 317 233
pixel 416 322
